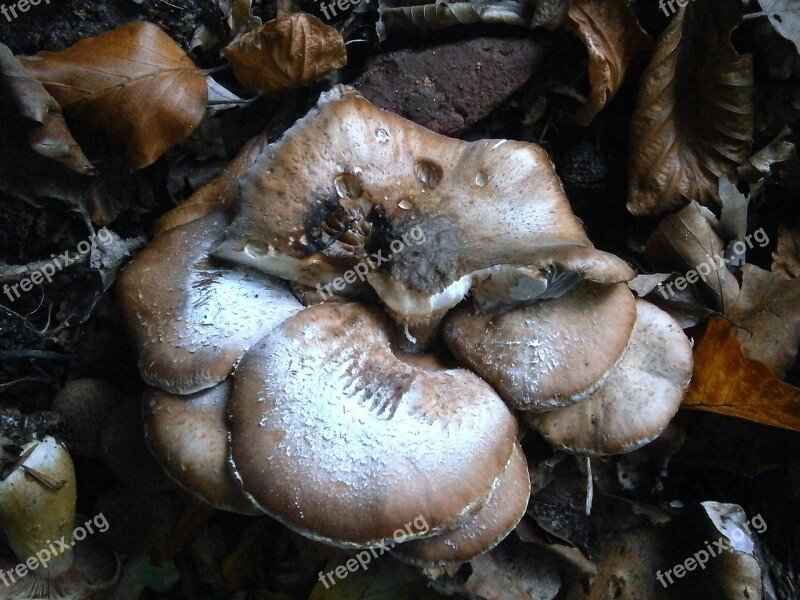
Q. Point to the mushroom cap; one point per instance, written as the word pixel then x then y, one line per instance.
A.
pixel 345 443
pixel 350 180
pixel 192 318
pixel 549 354
pixel 483 530
pixel 636 402
pixel 85 404
pixel 32 513
pixel 188 435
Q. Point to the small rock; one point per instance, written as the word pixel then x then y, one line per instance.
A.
pixel 449 88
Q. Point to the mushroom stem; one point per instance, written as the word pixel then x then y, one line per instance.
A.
pixel 37 506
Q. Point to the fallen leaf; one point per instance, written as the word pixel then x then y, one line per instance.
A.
pixel 733 216
pixel 614 40
pixel 786 258
pixel 693 120
pixel 286 53
pixel 767 313
pixel 759 166
pixel 133 83
pixel 52 138
pixel 784 16
pixel 688 242
pixel 725 381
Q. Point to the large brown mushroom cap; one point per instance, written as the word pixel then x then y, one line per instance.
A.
pixel 192 318
pixel 350 179
pixel 342 441
pixel 484 530
pixel 638 399
pixel 548 354
pixel 188 435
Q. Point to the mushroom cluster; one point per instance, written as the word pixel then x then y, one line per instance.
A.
pixel 346 417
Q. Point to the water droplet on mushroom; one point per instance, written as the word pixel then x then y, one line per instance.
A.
pixel 428 172
pixel 482 178
pixel 348 186
pixel 382 135
pixel 256 248
pixel 405 204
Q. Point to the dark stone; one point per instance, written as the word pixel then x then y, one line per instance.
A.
pixel 449 88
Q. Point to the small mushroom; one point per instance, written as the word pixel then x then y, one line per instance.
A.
pixel 637 400
pixel 192 318
pixel 37 510
pixel 188 435
pixel 339 439
pixel 352 192
pixel 84 403
pixel 549 354
pixel 484 530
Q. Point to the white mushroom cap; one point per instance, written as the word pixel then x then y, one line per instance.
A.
pixel 192 318
pixel 339 439
pixel 636 402
pixel 350 180
pixel 483 530
pixel 549 354
pixel 188 435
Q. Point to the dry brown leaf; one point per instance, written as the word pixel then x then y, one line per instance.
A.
pixel 286 53
pixel 726 382
pixel 767 313
pixel 133 83
pixel 688 242
pixel 52 138
pixel 786 258
pixel 614 40
pixel 694 115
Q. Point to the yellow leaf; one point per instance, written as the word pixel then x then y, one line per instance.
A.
pixel 727 382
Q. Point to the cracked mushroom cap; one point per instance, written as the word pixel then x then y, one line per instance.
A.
pixel 355 191
pixel 636 402
pixel 188 435
pixel 342 441
pixel 549 354
pixel 193 319
pixel 483 530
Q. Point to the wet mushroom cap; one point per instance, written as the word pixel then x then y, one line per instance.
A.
pixel 188 435
pixel 342 441
pixel 638 399
pixel 483 530
pixel 351 186
pixel 549 354
pixel 192 318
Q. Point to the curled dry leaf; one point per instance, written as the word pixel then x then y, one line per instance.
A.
pixel 786 258
pixel 614 40
pixel 688 242
pixel 726 382
pixel 52 137
pixel 286 53
pixel 694 115
pixel 133 83
pixel 767 313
